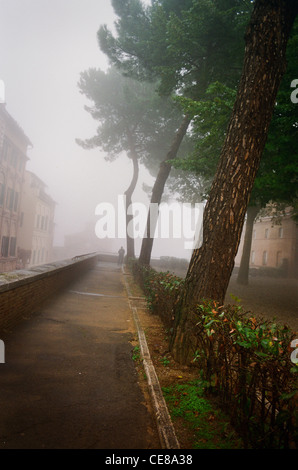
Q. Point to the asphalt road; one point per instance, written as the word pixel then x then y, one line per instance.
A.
pixel 69 381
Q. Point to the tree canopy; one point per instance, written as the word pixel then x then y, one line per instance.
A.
pixel 133 119
pixel 185 46
pixel 126 108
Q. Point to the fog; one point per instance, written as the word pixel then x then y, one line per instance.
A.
pixel 44 46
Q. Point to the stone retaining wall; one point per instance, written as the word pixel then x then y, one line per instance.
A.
pixel 22 292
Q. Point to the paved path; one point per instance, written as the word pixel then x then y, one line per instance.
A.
pixel 69 380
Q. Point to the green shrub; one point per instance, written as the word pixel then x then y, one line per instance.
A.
pixel 161 290
pixel 244 361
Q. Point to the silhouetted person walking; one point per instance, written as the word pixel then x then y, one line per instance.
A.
pixel 121 253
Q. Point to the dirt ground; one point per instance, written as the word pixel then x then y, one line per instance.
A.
pixel 268 298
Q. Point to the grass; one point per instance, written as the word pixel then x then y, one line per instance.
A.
pixel 164 361
pixel 136 354
pixel 209 426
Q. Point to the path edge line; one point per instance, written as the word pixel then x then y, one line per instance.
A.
pixel 165 426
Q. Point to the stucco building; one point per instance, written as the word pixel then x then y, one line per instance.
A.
pixel 274 246
pixel 13 157
pixel 36 222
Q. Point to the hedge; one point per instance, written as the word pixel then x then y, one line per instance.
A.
pixel 244 361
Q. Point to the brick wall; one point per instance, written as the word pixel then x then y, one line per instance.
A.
pixel 7 264
pixel 23 292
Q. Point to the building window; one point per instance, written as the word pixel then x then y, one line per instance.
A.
pixel 37 221
pixel 10 199
pixel 265 258
pixel 16 202
pixel 4 149
pixel 21 164
pixel 253 255
pixel 14 158
pixel 21 219
pixel 4 246
pixel 266 232
pixel 278 259
pixel 12 248
pixel 2 194
pixel 280 232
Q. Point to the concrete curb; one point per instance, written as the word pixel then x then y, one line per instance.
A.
pixel 165 426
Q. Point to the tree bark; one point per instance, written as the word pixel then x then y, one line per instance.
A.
pixel 130 245
pixel 157 192
pixel 211 265
pixel 243 274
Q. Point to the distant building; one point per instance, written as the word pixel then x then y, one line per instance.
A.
pixel 84 242
pixel 13 157
pixel 36 223
pixel 274 246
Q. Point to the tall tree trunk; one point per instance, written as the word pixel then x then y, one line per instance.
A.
pixel 211 265
pixel 130 245
pixel 243 274
pixel 157 192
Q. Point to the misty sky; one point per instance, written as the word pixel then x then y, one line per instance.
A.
pixel 44 45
